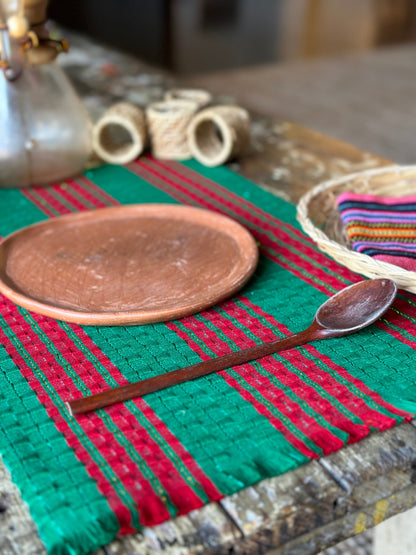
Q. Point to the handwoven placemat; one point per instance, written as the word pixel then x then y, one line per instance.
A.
pixel 90 478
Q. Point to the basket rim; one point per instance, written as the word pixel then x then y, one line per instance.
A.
pixel 359 261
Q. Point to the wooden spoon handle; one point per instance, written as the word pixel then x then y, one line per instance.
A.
pixel 150 385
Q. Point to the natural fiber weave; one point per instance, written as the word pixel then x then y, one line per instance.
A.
pixel 168 122
pixel 219 134
pixel 129 121
pixel 319 216
pixel 90 478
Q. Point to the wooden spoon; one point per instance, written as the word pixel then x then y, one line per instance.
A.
pixel 350 310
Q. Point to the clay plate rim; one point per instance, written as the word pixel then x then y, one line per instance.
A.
pixel 219 222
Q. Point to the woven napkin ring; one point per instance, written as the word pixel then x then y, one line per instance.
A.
pixel 120 135
pixel 167 124
pixel 219 134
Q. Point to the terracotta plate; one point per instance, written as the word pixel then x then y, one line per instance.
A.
pixel 131 264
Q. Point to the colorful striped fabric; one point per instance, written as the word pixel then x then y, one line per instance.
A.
pixel 90 478
pixel 382 227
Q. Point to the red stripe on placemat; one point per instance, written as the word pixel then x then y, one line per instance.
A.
pixel 342 372
pixel 95 190
pixel 192 466
pixel 397 334
pixel 48 198
pixel 120 510
pixel 402 315
pixel 89 193
pixel 64 192
pixel 304 391
pixel 406 333
pixel 301 420
pixel 160 183
pixel 289 436
pixel 355 404
pixel 198 181
pixel 34 200
pixel 246 209
pixel 335 439
pixel 184 498
pixel 93 425
pixel 159 180
pixel 57 204
pixel 95 196
pixel 181 494
pixel 210 187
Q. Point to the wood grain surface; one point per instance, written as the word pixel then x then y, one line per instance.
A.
pixel 365 99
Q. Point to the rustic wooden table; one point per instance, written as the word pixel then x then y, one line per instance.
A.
pixel 303 511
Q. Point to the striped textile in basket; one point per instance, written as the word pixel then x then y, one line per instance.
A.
pixel 382 227
pixel 90 478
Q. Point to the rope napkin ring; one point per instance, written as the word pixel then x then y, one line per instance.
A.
pixel 168 122
pixel 179 127
pixel 120 135
pixel 218 134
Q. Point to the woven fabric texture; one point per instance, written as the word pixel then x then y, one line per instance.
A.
pixel 90 478
pixel 382 227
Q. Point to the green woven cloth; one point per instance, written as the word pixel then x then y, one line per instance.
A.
pixel 90 478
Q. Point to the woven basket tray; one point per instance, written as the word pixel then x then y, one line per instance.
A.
pixel 318 215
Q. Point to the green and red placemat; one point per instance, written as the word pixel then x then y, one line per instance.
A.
pixel 90 478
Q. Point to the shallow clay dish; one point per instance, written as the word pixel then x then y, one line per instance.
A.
pixel 133 264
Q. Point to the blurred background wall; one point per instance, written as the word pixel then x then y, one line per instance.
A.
pixel 203 35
